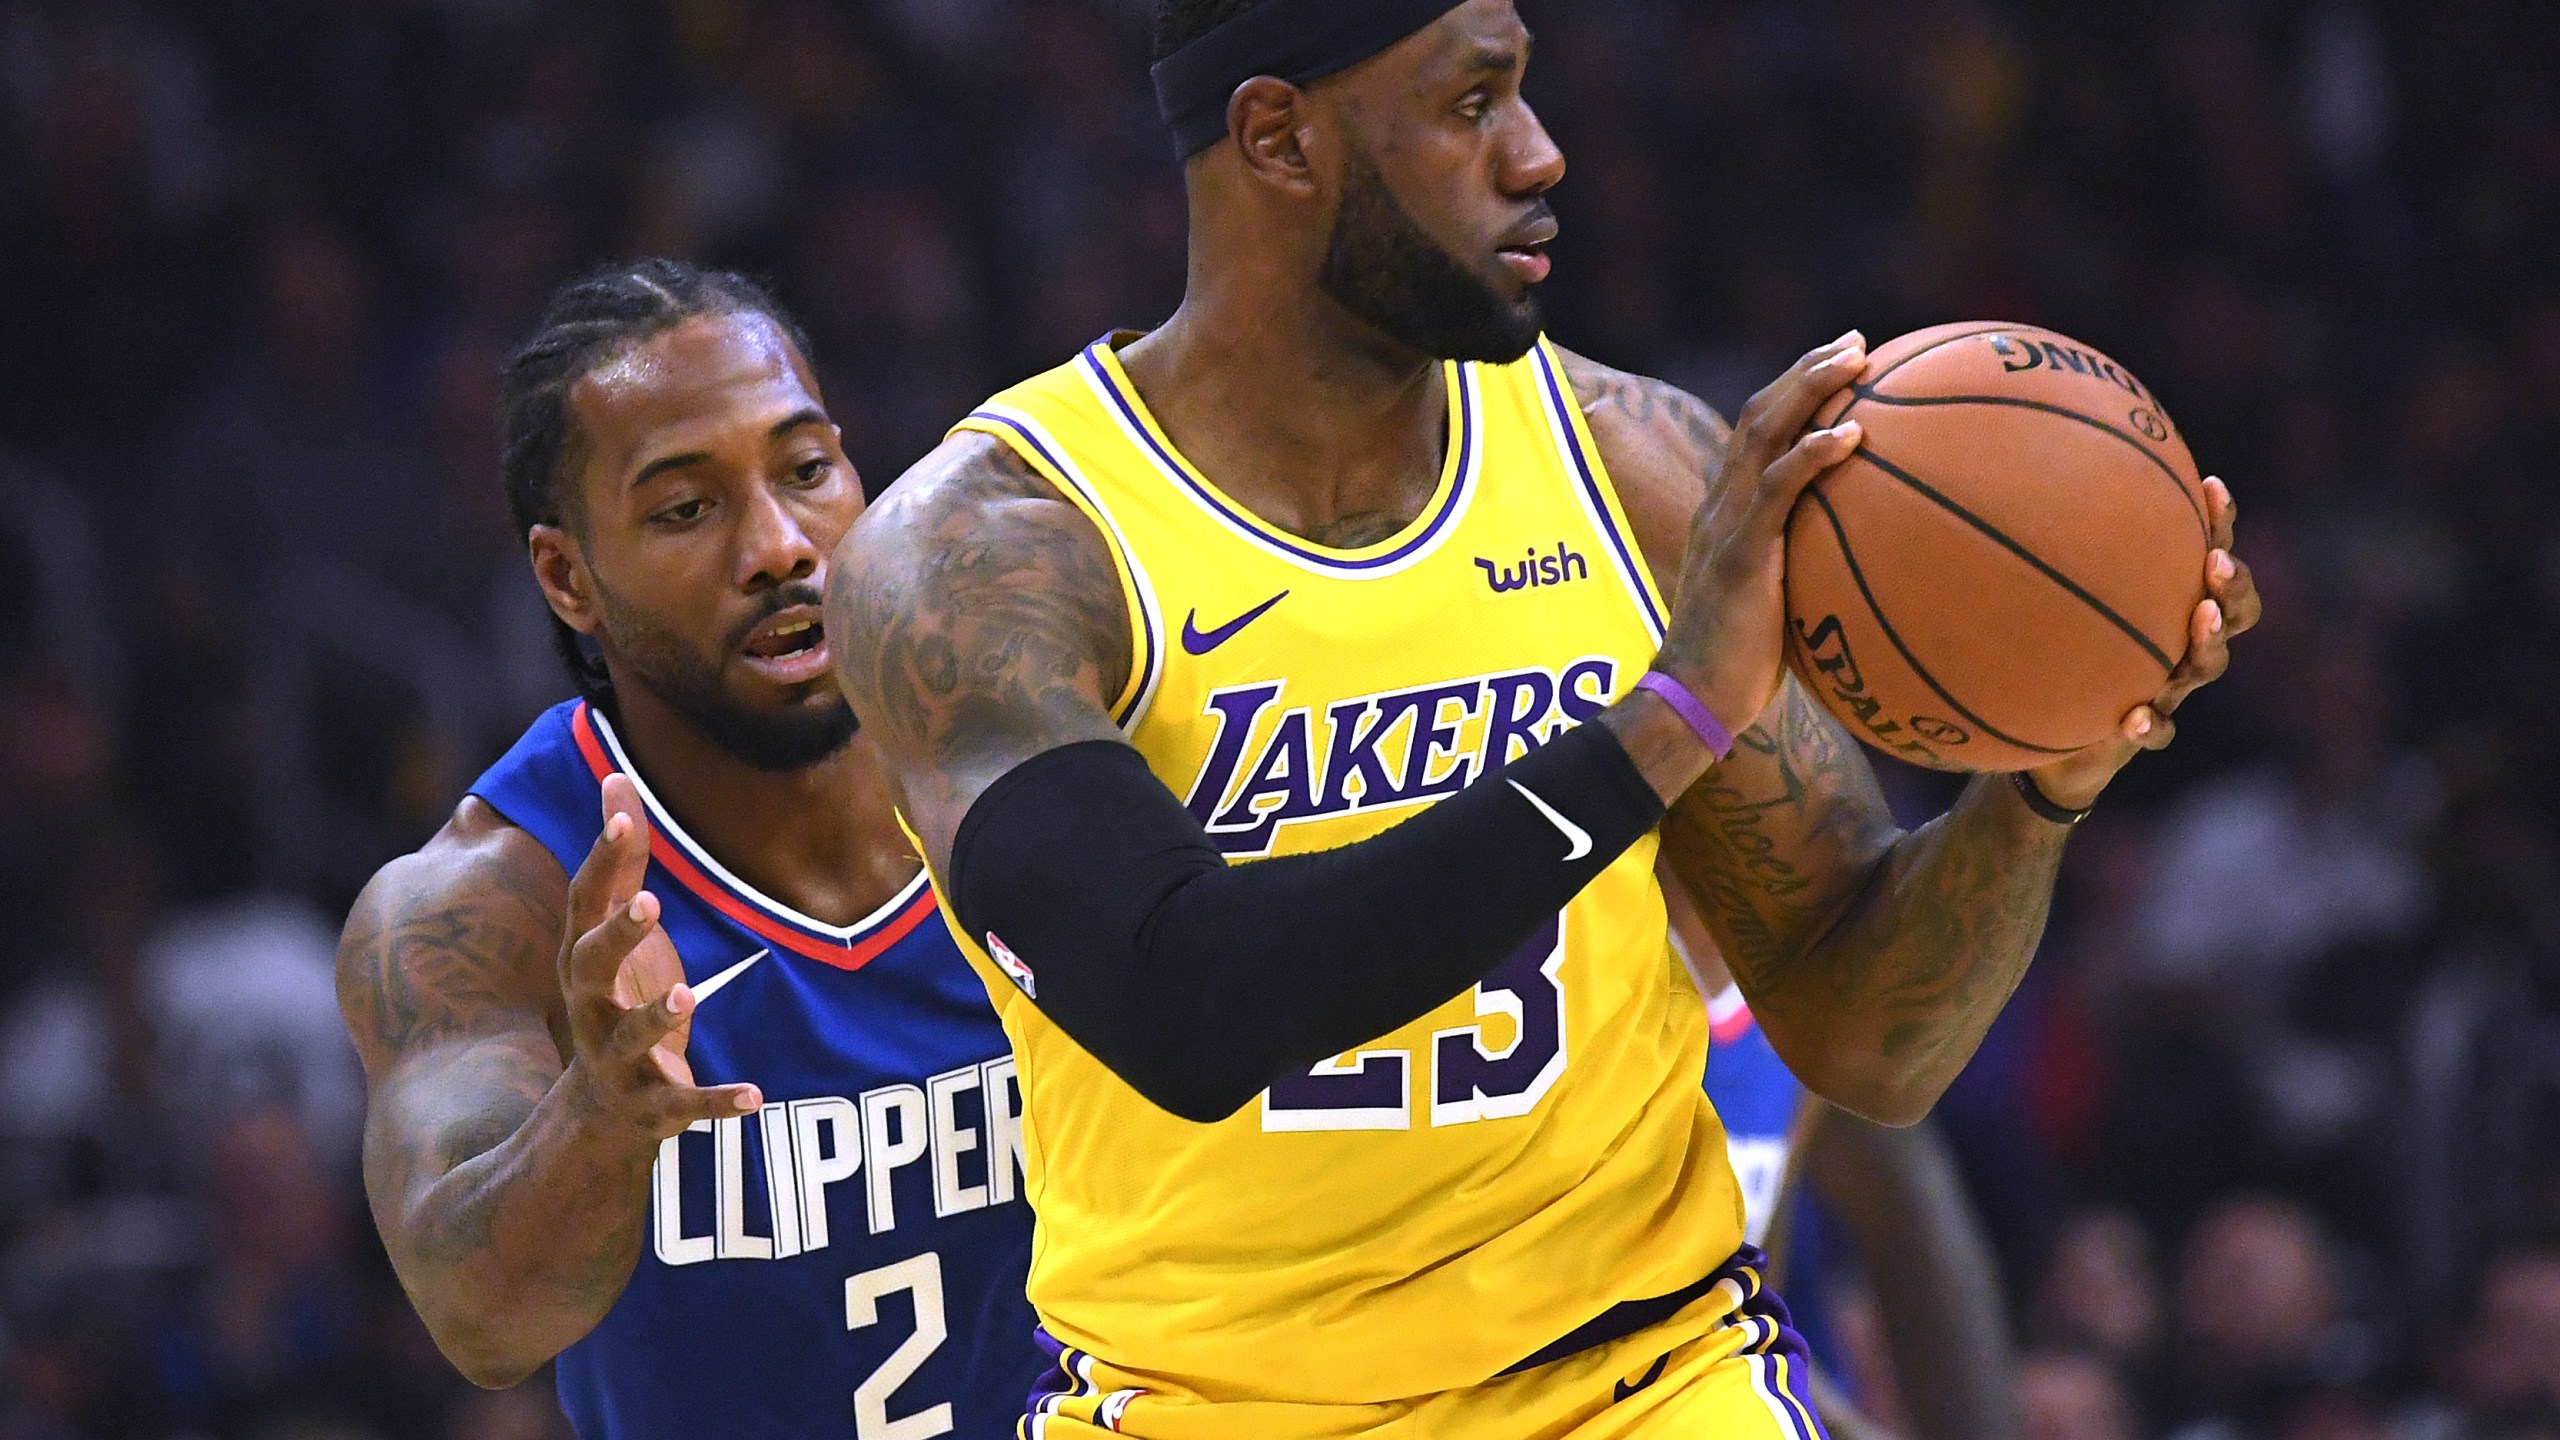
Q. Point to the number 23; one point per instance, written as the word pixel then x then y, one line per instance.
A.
pixel 1372 1090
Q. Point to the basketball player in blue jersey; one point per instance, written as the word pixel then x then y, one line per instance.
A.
pixel 1896 1194
pixel 674 1076
pixel 1295 701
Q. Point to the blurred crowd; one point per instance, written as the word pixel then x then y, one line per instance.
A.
pixel 2270 1142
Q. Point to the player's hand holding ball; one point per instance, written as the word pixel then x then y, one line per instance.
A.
pixel 1726 641
pixel 630 1010
pixel 2230 608
pixel 2019 568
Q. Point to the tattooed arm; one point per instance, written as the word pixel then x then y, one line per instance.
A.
pixel 519 1081
pixel 983 625
pixel 1875 960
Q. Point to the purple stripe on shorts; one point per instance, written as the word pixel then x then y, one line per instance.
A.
pixel 1056 1381
pixel 1792 1359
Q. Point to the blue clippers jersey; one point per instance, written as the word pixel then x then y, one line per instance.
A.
pixel 1760 1102
pixel 1764 1107
pixel 884 1299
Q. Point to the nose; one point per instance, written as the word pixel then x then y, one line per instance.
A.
pixel 774 548
pixel 1532 164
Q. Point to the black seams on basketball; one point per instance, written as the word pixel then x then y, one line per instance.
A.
pixel 2009 564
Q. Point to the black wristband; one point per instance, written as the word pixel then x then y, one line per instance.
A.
pixel 2041 803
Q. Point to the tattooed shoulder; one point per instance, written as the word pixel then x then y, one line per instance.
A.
pixel 460 938
pixel 1630 408
pixel 978 613
pixel 1661 447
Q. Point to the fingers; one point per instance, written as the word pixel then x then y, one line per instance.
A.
pixel 2209 632
pixel 2226 577
pixel 2233 586
pixel 2231 608
pixel 680 1102
pixel 1773 419
pixel 638 1074
pixel 643 1026
pixel 637 1040
pixel 596 959
pixel 1817 452
pixel 2208 657
pixel 616 864
pixel 717 1102
pixel 2222 513
pixel 2148 729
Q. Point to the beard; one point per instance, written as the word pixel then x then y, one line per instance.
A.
pixel 689 683
pixel 1382 267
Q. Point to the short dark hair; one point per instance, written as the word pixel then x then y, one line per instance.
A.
pixel 587 324
pixel 1179 22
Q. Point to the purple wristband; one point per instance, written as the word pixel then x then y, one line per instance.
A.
pixel 1692 710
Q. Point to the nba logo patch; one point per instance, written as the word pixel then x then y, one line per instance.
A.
pixel 1012 966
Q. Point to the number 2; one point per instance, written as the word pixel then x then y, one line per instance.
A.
pixel 922 1275
pixel 1469 1082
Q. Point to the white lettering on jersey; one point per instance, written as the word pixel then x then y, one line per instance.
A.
pixel 781 1178
pixel 673 1245
pixel 884 1152
pixel 802 1148
pixel 951 1141
pixel 826 1135
pixel 729 1153
pixel 1003 1091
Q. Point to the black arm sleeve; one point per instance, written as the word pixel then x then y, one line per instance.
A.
pixel 1201 983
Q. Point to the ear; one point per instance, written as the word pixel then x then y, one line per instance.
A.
pixel 560 568
pixel 1267 121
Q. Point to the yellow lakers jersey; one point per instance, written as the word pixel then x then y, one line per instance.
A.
pixel 1423 1212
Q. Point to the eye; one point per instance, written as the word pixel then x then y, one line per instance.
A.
pixel 1475 106
pixel 683 512
pixel 813 472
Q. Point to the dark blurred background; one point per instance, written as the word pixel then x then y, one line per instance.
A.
pixel 2271 1140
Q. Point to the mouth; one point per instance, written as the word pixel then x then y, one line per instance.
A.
pixel 790 648
pixel 1524 252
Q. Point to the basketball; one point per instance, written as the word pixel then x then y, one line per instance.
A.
pixel 2010 562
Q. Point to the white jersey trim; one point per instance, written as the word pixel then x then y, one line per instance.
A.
pixel 666 823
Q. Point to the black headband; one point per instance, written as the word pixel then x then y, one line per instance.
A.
pixel 1300 41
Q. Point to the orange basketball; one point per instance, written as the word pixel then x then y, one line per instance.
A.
pixel 2009 564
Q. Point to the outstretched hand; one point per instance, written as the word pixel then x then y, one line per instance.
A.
pixel 630 1010
pixel 2230 609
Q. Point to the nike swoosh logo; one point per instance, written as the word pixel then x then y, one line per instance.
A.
pixel 1625 1390
pixel 1575 836
pixel 720 982
pixel 1200 642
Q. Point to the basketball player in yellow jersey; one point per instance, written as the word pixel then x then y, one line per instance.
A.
pixel 1293 704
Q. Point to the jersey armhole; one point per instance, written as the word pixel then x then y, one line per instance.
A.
pixel 1579 450
pixel 1027 439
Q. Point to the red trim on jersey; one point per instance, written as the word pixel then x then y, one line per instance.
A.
pixel 1732 1027
pixel 850 954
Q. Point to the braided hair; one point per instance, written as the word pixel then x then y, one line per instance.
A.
pixel 586 326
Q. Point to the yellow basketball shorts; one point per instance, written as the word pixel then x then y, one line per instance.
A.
pixel 1727 1366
